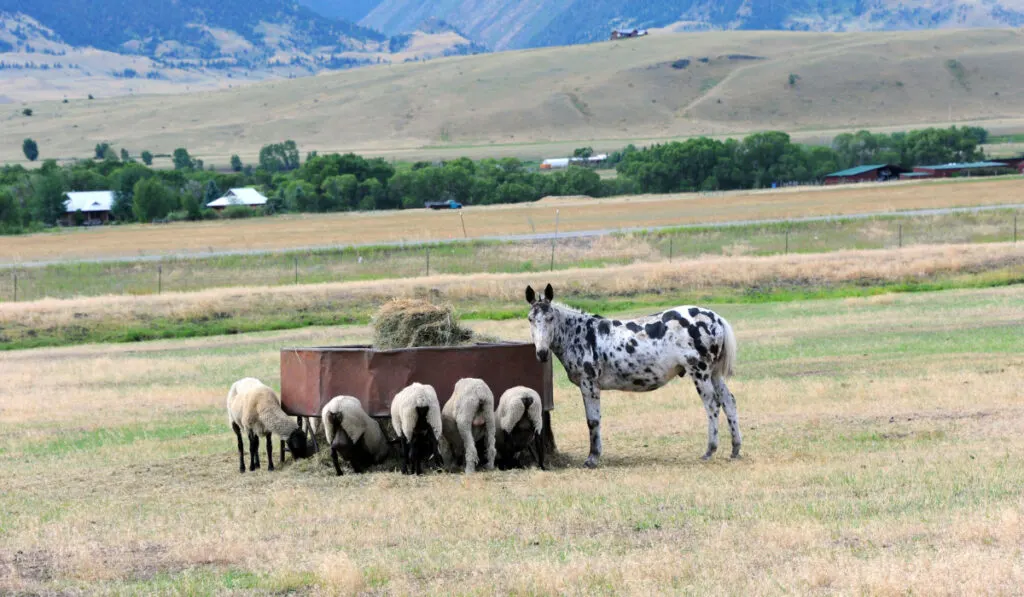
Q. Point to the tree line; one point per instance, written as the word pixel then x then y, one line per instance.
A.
pixel 32 199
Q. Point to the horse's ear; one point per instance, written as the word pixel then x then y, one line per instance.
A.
pixel 531 296
pixel 549 293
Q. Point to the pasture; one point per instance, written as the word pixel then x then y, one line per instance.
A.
pixel 346 264
pixel 883 437
pixel 574 214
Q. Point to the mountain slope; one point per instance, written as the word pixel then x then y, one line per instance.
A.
pixel 350 10
pixel 504 24
pixel 193 28
pixel 606 95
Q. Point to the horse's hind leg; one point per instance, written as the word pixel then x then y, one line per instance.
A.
pixel 706 389
pixel 592 405
pixel 728 402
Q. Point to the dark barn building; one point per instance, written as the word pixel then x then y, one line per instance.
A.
pixel 869 173
pixel 963 169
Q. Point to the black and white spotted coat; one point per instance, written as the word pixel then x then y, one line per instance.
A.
pixel 639 355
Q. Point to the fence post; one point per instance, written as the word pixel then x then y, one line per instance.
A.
pixel 900 242
pixel 428 261
pixel 463 220
pixel 15 286
pixel 1014 227
pixel 553 241
pixel 787 241
pixel 296 259
pixel 670 251
pixel 159 279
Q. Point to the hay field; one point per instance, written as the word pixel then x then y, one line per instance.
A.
pixel 605 93
pixel 883 438
pixel 296 231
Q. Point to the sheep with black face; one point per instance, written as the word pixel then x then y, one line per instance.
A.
pixel 416 419
pixel 256 409
pixel 519 424
pixel 353 434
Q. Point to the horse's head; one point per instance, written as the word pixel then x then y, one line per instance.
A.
pixel 542 321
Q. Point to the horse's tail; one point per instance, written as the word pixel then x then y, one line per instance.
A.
pixel 727 358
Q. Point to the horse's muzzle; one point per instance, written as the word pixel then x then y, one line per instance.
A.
pixel 542 355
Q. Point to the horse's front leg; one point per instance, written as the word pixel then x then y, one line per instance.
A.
pixel 592 405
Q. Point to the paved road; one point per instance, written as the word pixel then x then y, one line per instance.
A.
pixel 521 237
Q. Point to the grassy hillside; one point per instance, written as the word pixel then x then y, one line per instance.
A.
pixel 635 89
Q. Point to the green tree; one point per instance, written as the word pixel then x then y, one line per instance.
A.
pixel 211 193
pixel 125 156
pixel 31 149
pixel 103 150
pixel 48 200
pixel 147 158
pixel 182 160
pixel 236 163
pixel 583 152
pixel 279 157
pixel 27 111
pixel 372 195
pixel 193 211
pixel 152 200
pixel 10 214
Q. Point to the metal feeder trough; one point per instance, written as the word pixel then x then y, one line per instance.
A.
pixel 311 377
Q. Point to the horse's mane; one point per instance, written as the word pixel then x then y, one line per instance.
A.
pixel 571 309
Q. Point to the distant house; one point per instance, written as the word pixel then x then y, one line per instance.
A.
pixel 869 173
pixel 962 169
pixel 558 163
pixel 93 207
pixel 247 196
pixel 624 33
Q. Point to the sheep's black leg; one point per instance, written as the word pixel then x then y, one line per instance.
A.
pixel 270 454
pixel 334 457
pixel 254 451
pixel 241 448
pixel 539 446
pixel 281 460
pixel 405 455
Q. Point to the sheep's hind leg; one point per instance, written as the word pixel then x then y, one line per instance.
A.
pixel 254 451
pixel 728 402
pixel 707 394
pixel 270 454
pixel 241 447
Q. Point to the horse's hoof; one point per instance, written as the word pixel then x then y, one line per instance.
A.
pixel 736 455
pixel 590 462
pixel 707 456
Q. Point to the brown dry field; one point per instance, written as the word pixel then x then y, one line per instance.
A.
pixel 883 438
pixel 686 278
pixel 285 232
pixel 542 102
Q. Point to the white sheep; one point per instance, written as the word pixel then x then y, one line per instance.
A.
pixel 520 423
pixel 256 409
pixel 353 434
pixel 467 423
pixel 416 419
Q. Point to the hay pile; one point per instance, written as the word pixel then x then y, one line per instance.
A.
pixel 409 323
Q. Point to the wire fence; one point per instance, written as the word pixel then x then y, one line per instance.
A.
pixel 346 264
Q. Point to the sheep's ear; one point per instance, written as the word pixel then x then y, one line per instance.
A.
pixel 549 293
pixel 531 296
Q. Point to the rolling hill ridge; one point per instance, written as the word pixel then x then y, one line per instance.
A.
pixel 605 95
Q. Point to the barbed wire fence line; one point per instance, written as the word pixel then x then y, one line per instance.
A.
pixel 346 264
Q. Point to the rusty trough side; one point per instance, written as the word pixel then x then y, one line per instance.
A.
pixel 310 377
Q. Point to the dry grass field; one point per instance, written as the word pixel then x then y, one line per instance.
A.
pixel 733 278
pixel 285 232
pixel 883 438
pixel 606 94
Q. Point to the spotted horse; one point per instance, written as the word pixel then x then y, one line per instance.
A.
pixel 639 355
